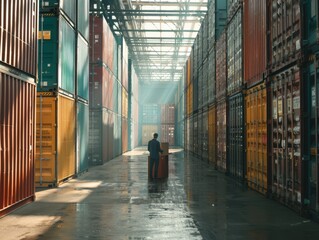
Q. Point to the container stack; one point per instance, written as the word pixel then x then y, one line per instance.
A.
pixel 285 91
pixel 125 95
pixel 180 125
pixel 105 86
pixel 167 132
pixel 18 76
pixel 310 127
pixel 62 99
pixel 255 73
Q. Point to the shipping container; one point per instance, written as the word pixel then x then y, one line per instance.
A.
pixel 68 8
pixel 17 139
pixel 101 135
pixel 124 59
pixel 18 35
pixel 234 54
pixel 212 133
pixel 103 43
pixel 56 55
pixel 200 87
pixel 196 136
pixel 199 43
pixel 187 134
pixel 203 134
pixel 235 137
pixel 286 137
pixel 256 137
pixel 221 136
pixel 124 103
pixel 83 18
pixel 124 135
pixel 55 153
pixel 117 96
pixel 82 88
pixel 101 87
pixel 310 25
pixel 147 133
pixel 196 93
pixel 211 76
pixel 255 41
pixel 221 66
pixel 217 18
pixel 151 114
pixel 285 33
pixel 232 7
pixel 310 129
pixel 205 24
pixel 167 114
pixel 117 140
pixel 82 138
pixel 207 85
pixel 167 134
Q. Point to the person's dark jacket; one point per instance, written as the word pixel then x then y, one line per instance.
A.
pixel 154 148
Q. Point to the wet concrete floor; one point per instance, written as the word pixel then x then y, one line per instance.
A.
pixel 116 201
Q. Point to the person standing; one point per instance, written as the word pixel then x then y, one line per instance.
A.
pixel 154 148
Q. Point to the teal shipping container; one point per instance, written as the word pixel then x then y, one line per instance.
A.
pixel 82 141
pixel 68 7
pixel 56 55
pixel 82 69
pixel 83 18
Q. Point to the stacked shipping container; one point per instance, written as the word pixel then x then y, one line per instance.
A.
pixel 18 71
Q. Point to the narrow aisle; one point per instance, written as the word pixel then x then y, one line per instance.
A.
pixel 116 201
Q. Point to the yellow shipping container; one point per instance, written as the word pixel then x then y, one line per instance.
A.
pixel 212 136
pixel 147 133
pixel 256 137
pixel 55 153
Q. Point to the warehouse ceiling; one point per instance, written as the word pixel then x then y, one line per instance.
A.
pixel 159 33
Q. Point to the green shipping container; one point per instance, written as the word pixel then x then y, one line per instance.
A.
pixel 56 54
pixel 82 137
pixel 82 69
pixel 67 6
pixel 83 18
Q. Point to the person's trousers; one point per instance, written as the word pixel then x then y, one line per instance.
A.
pixel 152 161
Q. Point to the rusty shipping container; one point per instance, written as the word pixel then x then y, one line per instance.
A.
pixel 168 114
pixel 255 41
pixel 147 132
pixel 101 87
pixel 18 34
pixel 167 134
pixel 235 137
pixel 55 154
pixel 285 33
pixel 310 129
pixel 221 66
pixel 286 137
pixel 212 132
pixel 256 137
pixel 221 136
pixel 101 135
pixel 103 42
pixel 234 54
pixel 17 135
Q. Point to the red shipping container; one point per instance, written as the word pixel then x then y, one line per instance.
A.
pixel 101 87
pixel 102 42
pixel 17 139
pixel 255 45
pixel 18 34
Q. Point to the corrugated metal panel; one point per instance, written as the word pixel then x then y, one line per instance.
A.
pixel 232 7
pixel 124 103
pixel 221 66
pixel 217 15
pixel 255 41
pixel 101 87
pixel 234 54
pixel 167 134
pixel 17 128
pixel 103 42
pixel 167 114
pixel 18 34
pixel 67 6
pixel 147 133
pixel 235 136
pixel 256 138
pixel 82 137
pixel 82 69
pixel 83 18
pixel 221 136
pixel 124 135
pixel 212 133
pixel 286 135
pixel 211 76
pixel 56 55
pixel 55 155
pixel 285 29
pixel 117 96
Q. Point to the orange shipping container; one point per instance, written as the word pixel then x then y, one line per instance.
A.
pixel 256 137
pixel 212 136
pixel 55 155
